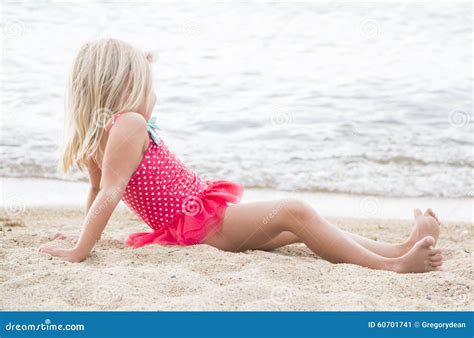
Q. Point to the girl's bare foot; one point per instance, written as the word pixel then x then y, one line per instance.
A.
pixel 427 224
pixel 422 257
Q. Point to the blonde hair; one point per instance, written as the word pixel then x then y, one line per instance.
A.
pixel 108 76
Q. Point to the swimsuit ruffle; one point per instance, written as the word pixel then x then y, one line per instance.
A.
pixel 202 215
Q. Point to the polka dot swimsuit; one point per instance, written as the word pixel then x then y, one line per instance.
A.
pixel 161 186
pixel 172 199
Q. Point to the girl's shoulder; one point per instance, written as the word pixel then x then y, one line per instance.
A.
pixel 128 120
pixel 130 127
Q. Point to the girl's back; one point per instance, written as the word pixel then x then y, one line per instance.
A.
pixel 171 198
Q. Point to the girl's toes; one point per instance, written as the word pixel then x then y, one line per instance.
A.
pixel 436 264
pixel 433 267
pixel 426 242
pixel 430 212
pixel 437 257
pixel 434 252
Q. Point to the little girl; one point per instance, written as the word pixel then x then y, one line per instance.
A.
pixel 110 132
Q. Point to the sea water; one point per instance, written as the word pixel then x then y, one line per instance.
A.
pixel 349 97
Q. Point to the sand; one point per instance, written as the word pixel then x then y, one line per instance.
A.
pixel 200 277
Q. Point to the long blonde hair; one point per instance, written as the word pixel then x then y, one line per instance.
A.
pixel 108 76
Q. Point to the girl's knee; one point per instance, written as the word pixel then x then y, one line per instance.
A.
pixel 299 211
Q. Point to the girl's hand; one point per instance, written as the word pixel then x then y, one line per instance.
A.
pixel 70 255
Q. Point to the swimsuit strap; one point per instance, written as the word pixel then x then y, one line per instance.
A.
pixel 152 129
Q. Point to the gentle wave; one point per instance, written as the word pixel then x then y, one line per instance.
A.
pixel 355 98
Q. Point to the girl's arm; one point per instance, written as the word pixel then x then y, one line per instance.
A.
pixel 123 153
pixel 94 179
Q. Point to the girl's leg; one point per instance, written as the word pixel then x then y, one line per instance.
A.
pixel 426 225
pixel 280 240
pixel 380 248
pixel 250 226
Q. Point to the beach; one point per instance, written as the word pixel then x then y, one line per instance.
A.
pixel 157 278
pixel 361 109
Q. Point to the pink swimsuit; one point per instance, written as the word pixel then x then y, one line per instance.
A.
pixel 181 208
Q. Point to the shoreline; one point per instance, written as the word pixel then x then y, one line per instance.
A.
pixel 21 193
